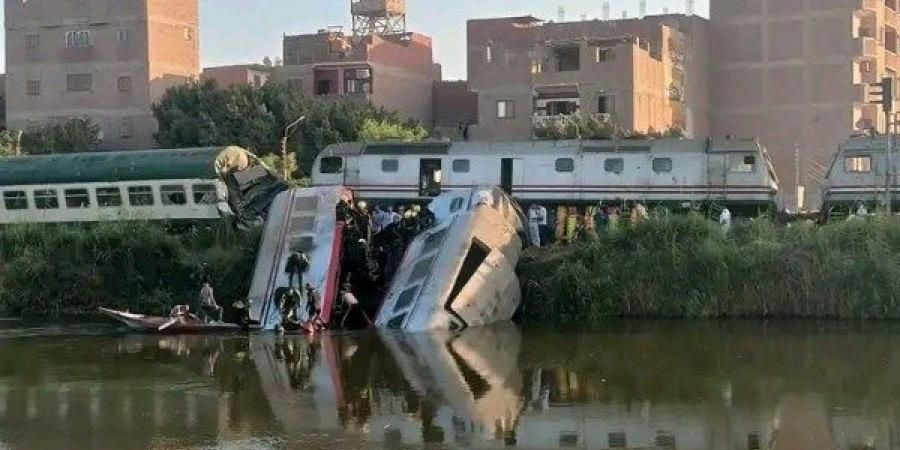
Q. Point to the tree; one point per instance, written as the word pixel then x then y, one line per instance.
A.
pixel 203 114
pixel 62 135
pixel 591 127
pixel 9 143
pixel 383 130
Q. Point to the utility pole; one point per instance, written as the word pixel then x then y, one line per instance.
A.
pixel 797 183
pixel 885 96
pixel 288 132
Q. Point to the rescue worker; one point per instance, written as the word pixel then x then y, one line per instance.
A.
pixel 638 214
pixel 288 306
pixel 534 224
pixel 601 220
pixel 243 314
pixel 725 220
pixel 297 264
pixel 350 303
pixel 313 311
pixel 208 306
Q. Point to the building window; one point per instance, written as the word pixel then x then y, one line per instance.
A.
pixel 79 39
pixel 32 41
pixel 359 87
pixel 488 53
pixel 173 195
pixel 109 197
pixel 123 36
pixel 140 196
pixel 604 54
pixel 506 109
pixel 390 165
pixel 126 128
pixel 461 165
pixel 46 199
pixel 257 80
pixel 568 59
pixel 662 165
pixel 79 82
pixel 605 104
pixel 188 34
pixel 617 440
pixel 33 87
pixel 124 83
pixel 296 84
pixel 614 165
pixel 77 198
pixel 565 165
pixel 753 442
pixel 15 200
pixel 858 164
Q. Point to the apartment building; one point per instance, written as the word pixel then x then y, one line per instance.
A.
pixel 107 60
pixel 393 71
pixel 796 73
pixel 648 74
pixel 239 74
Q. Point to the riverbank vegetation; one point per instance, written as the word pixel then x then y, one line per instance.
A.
pixel 140 266
pixel 687 267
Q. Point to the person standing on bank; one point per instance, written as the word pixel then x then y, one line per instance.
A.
pixel 208 306
pixel 296 265
pixel 534 224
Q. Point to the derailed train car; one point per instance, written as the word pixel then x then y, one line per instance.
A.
pixel 862 173
pixel 733 173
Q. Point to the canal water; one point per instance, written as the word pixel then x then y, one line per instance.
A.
pixel 669 385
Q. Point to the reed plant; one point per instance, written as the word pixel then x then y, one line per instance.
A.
pixel 139 266
pixel 688 267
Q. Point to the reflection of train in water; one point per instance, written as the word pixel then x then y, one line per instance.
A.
pixel 738 174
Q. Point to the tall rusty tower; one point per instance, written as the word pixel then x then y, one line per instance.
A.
pixel 378 17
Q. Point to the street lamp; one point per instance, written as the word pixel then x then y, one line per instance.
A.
pixel 288 132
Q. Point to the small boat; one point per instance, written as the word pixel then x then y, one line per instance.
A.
pixel 160 324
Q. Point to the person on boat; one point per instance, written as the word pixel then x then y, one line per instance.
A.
pixel 243 314
pixel 350 303
pixel 180 312
pixel 288 306
pixel 312 307
pixel 208 306
pixel 296 265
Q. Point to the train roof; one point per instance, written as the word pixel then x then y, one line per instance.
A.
pixel 537 147
pixel 100 167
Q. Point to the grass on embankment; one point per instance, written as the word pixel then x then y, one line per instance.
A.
pixel 687 267
pixel 140 266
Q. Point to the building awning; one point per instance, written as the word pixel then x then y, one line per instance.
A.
pixel 557 91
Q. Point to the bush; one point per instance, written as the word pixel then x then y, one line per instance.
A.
pixel 686 267
pixel 139 266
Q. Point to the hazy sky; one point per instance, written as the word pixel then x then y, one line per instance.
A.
pixel 240 31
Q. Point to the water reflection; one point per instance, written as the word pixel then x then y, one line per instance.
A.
pixel 661 386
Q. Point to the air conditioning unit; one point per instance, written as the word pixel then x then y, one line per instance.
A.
pixel 866 66
pixel 363 74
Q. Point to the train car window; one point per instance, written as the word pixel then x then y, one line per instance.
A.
pixel 858 164
pixel 173 195
pixel 662 165
pixel 77 198
pixel 15 200
pixel 46 199
pixel 461 165
pixel 565 165
pixel 746 164
pixel 140 196
pixel 390 165
pixel 331 164
pixel 204 194
pixel 456 204
pixel 109 197
pixel 615 165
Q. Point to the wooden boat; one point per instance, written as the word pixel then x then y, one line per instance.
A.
pixel 152 324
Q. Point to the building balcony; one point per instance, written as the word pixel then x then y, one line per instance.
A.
pixel 867 7
pixel 891 61
pixel 561 120
pixel 865 48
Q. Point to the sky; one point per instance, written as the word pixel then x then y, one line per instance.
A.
pixel 245 31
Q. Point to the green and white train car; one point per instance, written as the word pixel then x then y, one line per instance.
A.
pixel 159 185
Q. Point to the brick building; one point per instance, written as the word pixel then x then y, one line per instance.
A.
pixel 247 74
pixel 108 60
pixel 396 71
pixel 641 74
pixel 796 73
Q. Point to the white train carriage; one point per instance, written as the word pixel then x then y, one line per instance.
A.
pixel 860 174
pixel 733 173
pixel 94 187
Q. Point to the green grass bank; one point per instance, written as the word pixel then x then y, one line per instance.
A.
pixel 687 267
pixel 140 266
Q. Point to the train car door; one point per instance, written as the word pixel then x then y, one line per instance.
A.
pixel 506 175
pixel 430 177
pixel 717 175
pixel 351 172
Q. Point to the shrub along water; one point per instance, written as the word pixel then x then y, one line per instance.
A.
pixel 687 267
pixel 140 266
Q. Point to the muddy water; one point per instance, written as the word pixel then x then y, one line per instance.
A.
pixel 679 385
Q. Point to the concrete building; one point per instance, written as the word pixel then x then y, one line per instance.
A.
pixel 108 60
pixel 395 71
pixel 247 74
pixel 455 109
pixel 640 74
pixel 795 73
